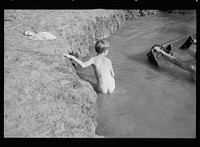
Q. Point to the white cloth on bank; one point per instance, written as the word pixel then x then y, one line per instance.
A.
pixel 40 35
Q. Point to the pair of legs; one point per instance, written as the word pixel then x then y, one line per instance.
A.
pixel 178 62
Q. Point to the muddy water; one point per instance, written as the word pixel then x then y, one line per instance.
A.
pixel 148 101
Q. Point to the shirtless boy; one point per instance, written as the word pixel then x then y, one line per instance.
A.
pixel 102 67
pixel 178 62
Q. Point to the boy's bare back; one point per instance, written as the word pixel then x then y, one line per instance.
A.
pixel 104 74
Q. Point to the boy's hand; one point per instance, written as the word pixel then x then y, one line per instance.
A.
pixel 67 55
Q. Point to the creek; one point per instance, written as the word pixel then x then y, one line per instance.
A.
pixel 148 102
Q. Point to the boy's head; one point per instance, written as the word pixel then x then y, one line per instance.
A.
pixel 101 46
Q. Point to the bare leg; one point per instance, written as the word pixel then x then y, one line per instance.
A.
pixel 175 61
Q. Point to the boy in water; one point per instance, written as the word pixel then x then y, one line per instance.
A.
pixel 102 67
pixel 178 62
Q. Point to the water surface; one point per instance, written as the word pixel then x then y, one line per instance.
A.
pixel 148 101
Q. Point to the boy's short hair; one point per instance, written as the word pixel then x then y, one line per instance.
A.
pixel 101 46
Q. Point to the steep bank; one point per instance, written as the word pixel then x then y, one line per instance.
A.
pixel 43 96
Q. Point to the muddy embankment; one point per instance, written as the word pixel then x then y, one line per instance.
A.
pixel 43 96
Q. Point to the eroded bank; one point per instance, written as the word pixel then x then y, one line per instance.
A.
pixel 43 96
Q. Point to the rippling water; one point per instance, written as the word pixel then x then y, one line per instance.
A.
pixel 148 101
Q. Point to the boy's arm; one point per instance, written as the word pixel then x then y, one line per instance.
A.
pixel 82 64
pixel 111 69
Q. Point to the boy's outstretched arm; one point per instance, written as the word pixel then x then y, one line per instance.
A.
pixel 82 64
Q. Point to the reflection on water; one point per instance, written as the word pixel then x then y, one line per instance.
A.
pixel 148 101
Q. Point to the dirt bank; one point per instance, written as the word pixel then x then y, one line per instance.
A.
pixel 43 96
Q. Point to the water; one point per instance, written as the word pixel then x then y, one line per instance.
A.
pixel 148 102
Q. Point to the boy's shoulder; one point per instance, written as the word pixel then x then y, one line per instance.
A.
pixel 98 59
pixel 108 59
